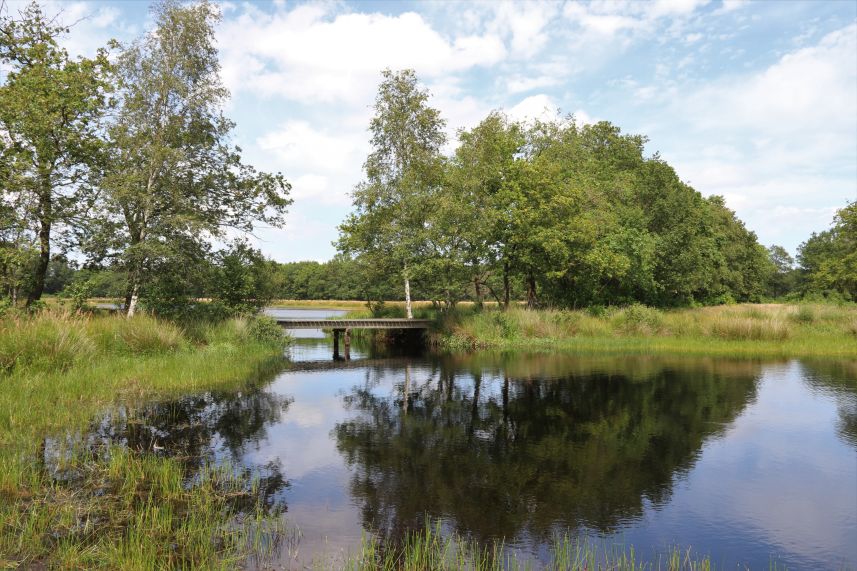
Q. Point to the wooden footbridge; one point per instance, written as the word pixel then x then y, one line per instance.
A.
pixel 343 327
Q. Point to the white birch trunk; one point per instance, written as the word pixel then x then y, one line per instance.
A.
pixel 132 306
pixel 410 313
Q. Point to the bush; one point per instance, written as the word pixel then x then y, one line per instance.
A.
pixel 6 307
pixel 78 293
pixel 505 325
pixel 598 311
pixel 265 330
pixel 638 319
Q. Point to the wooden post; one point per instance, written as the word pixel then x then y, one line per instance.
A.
pixel 347 339
pixel 336 344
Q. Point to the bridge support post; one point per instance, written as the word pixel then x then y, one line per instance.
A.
pixel 336 344
pixel 347 339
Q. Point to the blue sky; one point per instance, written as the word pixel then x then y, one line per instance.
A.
pixel 756 101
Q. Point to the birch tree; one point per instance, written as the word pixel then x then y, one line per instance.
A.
pixel 403 173
pixel 174 175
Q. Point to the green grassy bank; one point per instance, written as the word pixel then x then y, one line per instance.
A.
pixel 769 330
pixel 116 508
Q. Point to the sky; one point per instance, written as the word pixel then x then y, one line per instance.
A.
pixel 754 101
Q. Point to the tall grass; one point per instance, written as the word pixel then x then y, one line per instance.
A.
pixel 431 549
pixel 759 330
pixel 121 509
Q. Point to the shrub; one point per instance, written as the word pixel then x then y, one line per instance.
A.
pixel 505 325
pixel 265 330
pixel 598 311
pixel 78 293
pixel 638 319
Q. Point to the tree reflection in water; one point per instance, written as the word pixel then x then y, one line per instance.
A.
pixel 505 446
pixel 202 429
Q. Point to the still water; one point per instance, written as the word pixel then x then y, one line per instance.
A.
pixel 748 462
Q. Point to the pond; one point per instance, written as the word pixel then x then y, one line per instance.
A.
pixel 749 462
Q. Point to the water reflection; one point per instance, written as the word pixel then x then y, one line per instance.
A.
pixel 513 446
pixel 204 428
pixel 747 461
pixel 839 379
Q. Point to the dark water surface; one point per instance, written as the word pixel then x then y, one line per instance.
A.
pixel 748 462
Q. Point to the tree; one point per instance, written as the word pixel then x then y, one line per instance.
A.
pixel 243 279
pixel 403 176
pixel 483 181
pixel 174 178
pixel 50 112
pixel 828 260
pixel 781 281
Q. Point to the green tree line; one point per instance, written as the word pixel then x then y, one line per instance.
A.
pixel 562 214
pixel 119 178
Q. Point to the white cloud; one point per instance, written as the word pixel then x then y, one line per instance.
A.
pixel 539 106
pixel 609 17
pixel 524 24
pixel 785 157
pixel 313 54
pixel 813 88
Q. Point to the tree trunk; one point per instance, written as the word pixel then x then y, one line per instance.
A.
pixel 477 287
pixel 506 287
pixel 531 292
pixel 408 310
pixel 132 293
pixel 133 299
pixel 44 252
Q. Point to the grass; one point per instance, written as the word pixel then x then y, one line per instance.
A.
pixel 431 549
pixel 769 330
pixel 65 505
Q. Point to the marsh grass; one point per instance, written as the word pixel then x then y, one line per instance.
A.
pixel 431 549
pixel 751 330
pixel 61 504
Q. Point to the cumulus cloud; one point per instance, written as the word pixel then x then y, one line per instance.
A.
pixel 314 53
pixel 539 106
pixel 785 157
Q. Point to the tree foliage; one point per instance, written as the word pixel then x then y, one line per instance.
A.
pixel 174 180
pixel 828 260
pixel 50 122
pixel 391 222
pixel 569 214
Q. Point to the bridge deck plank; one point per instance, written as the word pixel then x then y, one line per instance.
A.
pixel 355 323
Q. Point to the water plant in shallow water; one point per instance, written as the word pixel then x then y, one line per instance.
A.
pixel 432 549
